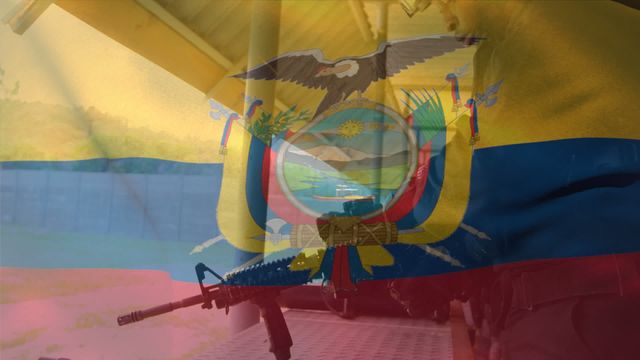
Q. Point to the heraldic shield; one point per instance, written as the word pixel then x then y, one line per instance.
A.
pixel 350 184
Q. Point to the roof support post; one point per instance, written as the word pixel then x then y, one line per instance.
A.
pixel 357 10
pixel 380 91
pixel 263 45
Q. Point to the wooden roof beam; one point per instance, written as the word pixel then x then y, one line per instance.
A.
pixel 25 13
pixel 151 31
pixel 177 25
pixel 228 82
pixel 141 30
pixel 216 90
pixel 357 10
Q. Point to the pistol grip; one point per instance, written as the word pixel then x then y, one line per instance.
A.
pixel 279 336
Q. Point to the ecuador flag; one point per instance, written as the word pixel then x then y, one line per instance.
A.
pixel 139 138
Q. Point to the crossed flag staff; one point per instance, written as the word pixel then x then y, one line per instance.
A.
pixel 488 98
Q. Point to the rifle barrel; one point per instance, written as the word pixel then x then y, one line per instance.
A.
pixel 159 310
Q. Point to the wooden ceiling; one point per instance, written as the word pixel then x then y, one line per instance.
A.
pixel 205 41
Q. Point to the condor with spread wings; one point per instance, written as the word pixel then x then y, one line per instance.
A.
pixel 344 76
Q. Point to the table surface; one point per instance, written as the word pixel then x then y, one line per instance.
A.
pixel 322 335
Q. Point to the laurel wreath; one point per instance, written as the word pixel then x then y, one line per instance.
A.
pixel 266 125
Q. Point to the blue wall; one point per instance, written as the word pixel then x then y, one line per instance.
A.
pixel 140 198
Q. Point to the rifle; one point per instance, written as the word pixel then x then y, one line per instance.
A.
pixel 255 283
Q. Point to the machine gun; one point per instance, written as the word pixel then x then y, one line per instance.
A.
pixel 259 283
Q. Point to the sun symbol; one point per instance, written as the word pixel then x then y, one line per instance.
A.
pixel 350 128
